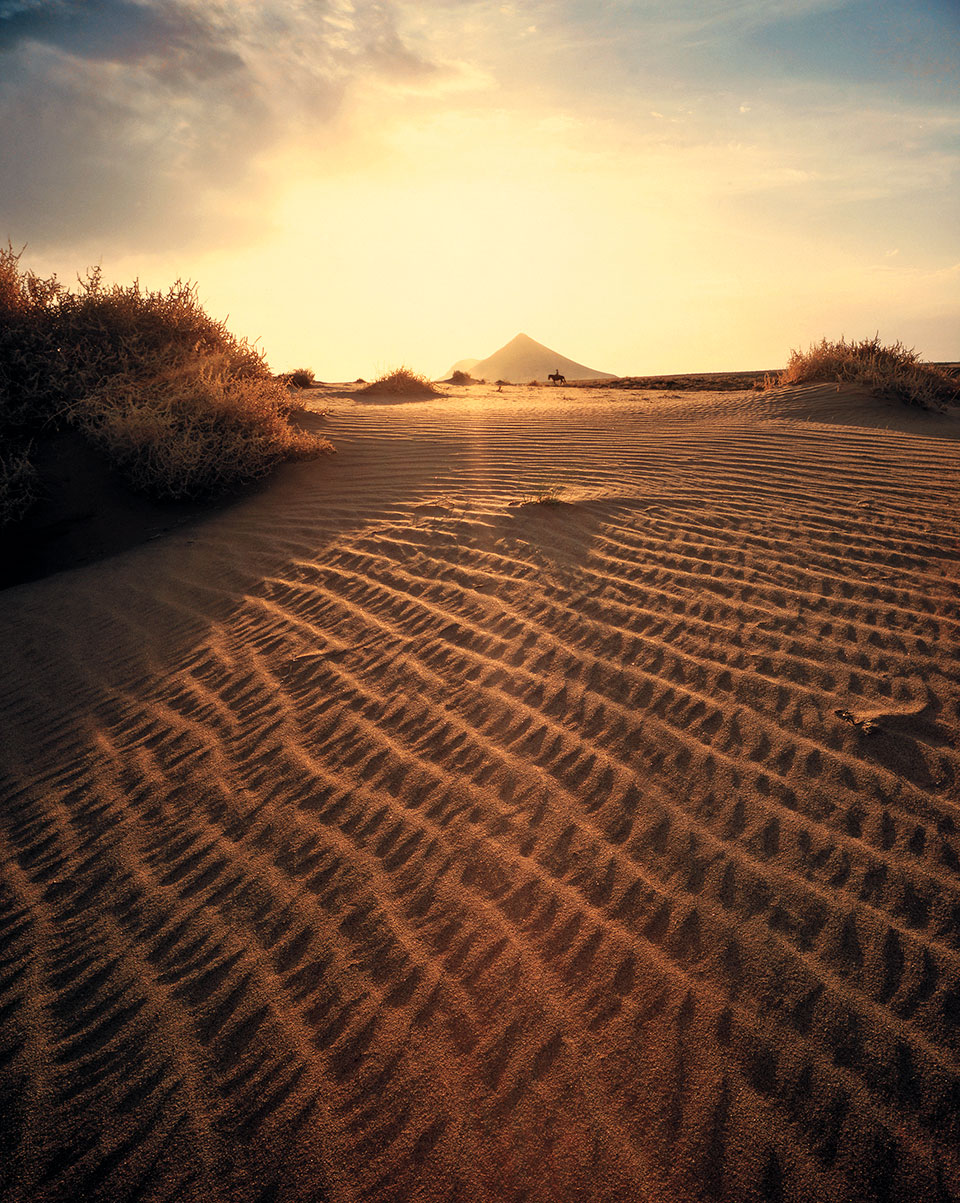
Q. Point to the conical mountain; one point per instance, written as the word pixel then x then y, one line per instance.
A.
pixel 523 359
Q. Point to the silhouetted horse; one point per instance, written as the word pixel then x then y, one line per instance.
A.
pixel 557 378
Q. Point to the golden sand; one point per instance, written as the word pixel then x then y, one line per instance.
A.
pixel 384 838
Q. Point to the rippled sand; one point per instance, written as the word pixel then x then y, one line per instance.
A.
pixel 387 838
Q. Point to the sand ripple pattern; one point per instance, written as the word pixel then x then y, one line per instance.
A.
pixel 474 850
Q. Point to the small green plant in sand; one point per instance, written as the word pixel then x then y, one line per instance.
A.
pixel 177 404
pixel 889 371
pixel 402 382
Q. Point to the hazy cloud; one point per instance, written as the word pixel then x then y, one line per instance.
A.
pixel 116 31
pixel 150 123
pixel 144 120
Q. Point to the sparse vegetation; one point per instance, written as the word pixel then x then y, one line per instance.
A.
pixel 191 431
pixel 177 404
pixel 889 371
pixel 459 377
pixel 17 483
pixel 299 378
pixel 402 382
pixel 548 495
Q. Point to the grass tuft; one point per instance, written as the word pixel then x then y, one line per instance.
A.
pixel 459 377
pixel 402 382
pixel 299 378
pixel 889 371
pixel 549 495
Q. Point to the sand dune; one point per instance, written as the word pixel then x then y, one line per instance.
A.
pixel 388 838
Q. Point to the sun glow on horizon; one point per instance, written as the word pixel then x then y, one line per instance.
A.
pixel 635 190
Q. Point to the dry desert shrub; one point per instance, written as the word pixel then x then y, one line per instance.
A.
pixel 175 402
pixel 889 371
pixel 192 430
pixel 57 343
pixel 28 400
pixel 402 382
pixel 459 377
pixel 107 330
pixel 17 483
pixel 546 495
pixel 28 345
pixel 299 378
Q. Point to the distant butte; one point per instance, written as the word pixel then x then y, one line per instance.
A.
pixel 523 359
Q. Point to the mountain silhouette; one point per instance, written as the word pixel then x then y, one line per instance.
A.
pixel 524 359
pixel 463 365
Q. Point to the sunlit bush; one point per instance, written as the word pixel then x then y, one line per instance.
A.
pixel 299 378
pixel 193 429
pixel 402 382
pixel 176 403
pixel 890 371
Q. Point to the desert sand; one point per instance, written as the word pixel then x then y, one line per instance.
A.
pixel 392 836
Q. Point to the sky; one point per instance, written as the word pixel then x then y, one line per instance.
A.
pixel 358 184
